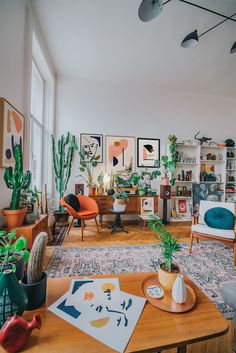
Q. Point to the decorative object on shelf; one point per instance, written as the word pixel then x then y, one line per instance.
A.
pixel 92 144
pixel 12 132
pixel 179 292
pixel 168 270
pixel 229 143
pixel 13 253
pixel 63 153
pixel 202 139
pixel 16 180
pixel 148 151
pixel 147 206
pixel 13 299
pixel 155 291
pixel 87 165
pixel 29 198
pixel 16 331
pixel 119 152
pixel 120 200
pixel 35 282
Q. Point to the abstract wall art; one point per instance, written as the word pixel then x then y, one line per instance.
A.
pixel 120 152
pixel 147 206
pixel 92 145
pixel 148 150
pixel 11 132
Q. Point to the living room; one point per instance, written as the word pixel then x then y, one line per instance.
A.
pixel 117 171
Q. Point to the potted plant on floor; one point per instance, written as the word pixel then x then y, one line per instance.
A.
pixel 120 200
pixel 29 197
pixel 63 153
pixel 13 253
pixel 16 180
pixel 168 271
pixel 87 165
pixel 35 282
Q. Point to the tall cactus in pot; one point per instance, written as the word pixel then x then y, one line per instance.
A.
pixel 15 179
pixel 62 162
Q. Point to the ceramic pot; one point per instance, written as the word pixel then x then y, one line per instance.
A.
pixel 119 205
pixel 141 192
pixel 179 292
pixel 30 218
pixel 14 218
pixel 13 299
pixel 36 292
pixel 166 278
pixel 92 190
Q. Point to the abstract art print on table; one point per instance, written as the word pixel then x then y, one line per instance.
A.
pixel 147 206
pixel 92 144
pixel 11 132
pixel 120 152
pixel 100 309
pixel 148 150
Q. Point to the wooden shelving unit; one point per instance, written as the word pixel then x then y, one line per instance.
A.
pixel 230 174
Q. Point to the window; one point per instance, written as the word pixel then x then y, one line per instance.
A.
pixel 41 118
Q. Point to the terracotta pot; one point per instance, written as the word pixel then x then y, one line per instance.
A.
pixel 166 278
pixel 92 190
pixel 165 181
pixel 14 218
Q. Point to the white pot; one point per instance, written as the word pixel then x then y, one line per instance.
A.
pixel 119 205
pixel 179 293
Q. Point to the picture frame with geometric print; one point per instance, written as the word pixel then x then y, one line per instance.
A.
pixel 92 144
pixel 148 151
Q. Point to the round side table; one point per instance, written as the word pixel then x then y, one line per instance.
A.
pixel 117 225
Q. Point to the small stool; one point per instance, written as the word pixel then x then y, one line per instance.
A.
pixel 117 225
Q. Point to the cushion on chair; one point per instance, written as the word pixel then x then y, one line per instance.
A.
pixel 220 218
pixel 204 229
pixel 207 205
pixel 73 202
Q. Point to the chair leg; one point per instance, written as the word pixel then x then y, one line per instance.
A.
pixel 97 225
pixel 197 240
pixel 234 253
pixel 70 225
pixel 191 243
pixel 82 229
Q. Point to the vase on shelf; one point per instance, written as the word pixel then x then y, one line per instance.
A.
pixel 179 292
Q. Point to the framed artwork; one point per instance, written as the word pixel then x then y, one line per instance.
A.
pixel 147 206
pixel 203 191
pixel 92 145
pixel 120 152
pixel 148 150
pixel 182 206
pixel 11 132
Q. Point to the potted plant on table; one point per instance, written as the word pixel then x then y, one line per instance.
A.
pixel 35 282
pixel 120 200
pixel 13 253
pixel 29 197
pixel 63 153
pixel 143 180
pixel 16 180
pixel 168 271
pixel 87 165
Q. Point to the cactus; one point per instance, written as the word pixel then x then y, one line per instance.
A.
pixel 15 179
pixel 35 264
pixel 62 162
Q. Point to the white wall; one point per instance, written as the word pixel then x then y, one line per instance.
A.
pixel 83 106
pixel 12 84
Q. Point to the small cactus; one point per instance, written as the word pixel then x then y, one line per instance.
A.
pixel 35 264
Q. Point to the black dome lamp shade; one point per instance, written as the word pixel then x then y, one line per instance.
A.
pixel 149 9
pixel 233 49
pixel 190 40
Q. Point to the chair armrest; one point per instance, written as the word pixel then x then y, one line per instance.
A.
pixel 235 229
pixel 195 219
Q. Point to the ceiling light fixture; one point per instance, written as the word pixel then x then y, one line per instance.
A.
pixel 191 40
pixel 233 49
pixel 149 9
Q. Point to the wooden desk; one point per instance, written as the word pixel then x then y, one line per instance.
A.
pixel 133 205
pixel 156 330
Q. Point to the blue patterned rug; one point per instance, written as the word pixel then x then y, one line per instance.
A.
pixel 210 266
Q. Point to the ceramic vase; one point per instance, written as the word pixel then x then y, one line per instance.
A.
pixel 179 292
pixel 119 205
pixel 13 299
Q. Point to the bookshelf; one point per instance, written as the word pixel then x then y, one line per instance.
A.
pixel 230 185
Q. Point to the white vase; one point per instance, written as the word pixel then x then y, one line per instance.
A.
pixel 119 205
pixel 179 292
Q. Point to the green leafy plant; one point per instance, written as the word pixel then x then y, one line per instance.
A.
pixel 11 248
pixel 29 197
pixel 87 165
pixel 121 195
pixel 169 243
pixel 144 177
pixel 123 177
pixel 62 162
pixel 15 179
pixel 100 180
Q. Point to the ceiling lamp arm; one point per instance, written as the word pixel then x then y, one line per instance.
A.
pixel 208 10
pixel 218 24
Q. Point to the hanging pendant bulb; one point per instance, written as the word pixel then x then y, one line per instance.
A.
pixel 233 49
pixel 190 40
pixel 149 9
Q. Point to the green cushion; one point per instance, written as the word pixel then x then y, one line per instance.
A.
pixel 220 218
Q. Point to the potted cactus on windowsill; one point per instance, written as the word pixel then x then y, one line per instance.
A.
pixel 35 282
pixel 16 180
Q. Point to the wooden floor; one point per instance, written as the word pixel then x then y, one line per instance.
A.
pixel 140 236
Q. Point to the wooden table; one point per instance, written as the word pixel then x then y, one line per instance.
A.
pixel 156 330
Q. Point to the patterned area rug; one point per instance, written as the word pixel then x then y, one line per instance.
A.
pixel 58 236
pixel 210 266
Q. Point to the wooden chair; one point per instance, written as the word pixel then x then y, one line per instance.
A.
pixel 201 230
pixel 88 210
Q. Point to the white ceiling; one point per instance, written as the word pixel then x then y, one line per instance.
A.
pixel 104 40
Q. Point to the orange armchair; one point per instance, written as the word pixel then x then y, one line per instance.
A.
pixel 88 210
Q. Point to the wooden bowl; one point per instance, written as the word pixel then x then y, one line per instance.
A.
pixel 166 303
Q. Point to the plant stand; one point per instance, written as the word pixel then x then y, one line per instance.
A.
pixel 117 225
